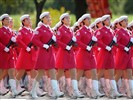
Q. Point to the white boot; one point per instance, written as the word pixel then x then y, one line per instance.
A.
pixel 88 87
pixel 3 90
pixel 49 87
pixel 112 94
pixel 33 90
pixel 19 89
pixel 62 83
pixel 12 84
pixel 68 88
pixel 91 92
pixel 122 87
pixel 39 91
pixel 95 87
pixel 45 78
pixel 76 92
pixel 82 85
pixel 131 86
pixel 56 90
pixel 113 85
pixel 128 91
pixel 102 85
pixel 107 87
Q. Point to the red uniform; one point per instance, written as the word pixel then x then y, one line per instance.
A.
pixel 26 60
pixel 105 58
pixel 6 58
pixel 123 59
pixel 64 59
pixel 45 59
pixel 85 59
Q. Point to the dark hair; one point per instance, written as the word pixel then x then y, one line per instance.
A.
pixel 2 21
pixel 97 26
pixel 120 23
pixel 103 23
pixel 62 21
pixel 76 28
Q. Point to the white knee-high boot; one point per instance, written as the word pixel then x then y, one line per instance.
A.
pixel 56 90
pixel 3 90
pixel 114 86
pixel 76 90
pixel 19 89
pixel 131 86
pixel 34 88
pixel 12 83
pixel 96 88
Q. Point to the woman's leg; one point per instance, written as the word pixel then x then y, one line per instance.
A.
pixel 60 73
pixel 36 83
pixel 75 83
pixel 54 83
pixel 113 91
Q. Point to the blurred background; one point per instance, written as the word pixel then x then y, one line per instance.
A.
pixel 76 8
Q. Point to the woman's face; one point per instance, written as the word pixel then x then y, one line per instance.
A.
pixel 124 23
pixel 87 21
pixel 118 25
pixel 47 20
pixel 66 21
pixel 6 21
pixel 100 24
pixel 11 23
pixel 27 22
pixel 107 22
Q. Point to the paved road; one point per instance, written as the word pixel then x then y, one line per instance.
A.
pixel 27 97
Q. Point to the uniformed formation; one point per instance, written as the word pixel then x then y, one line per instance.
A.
pixel 87 59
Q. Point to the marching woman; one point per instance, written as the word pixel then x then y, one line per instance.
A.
pixel 124 54
pixel 105 60
pixel 45 59
pixel 85 60
pixel 65 59
pixel 28 52
pixel 6 53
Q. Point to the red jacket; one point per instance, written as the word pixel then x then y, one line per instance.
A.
pixel 45 59
pixel 64 59
pixel 84 58
pixel 6 59
pixel 26 60
pixel 122 57
pixel 105 58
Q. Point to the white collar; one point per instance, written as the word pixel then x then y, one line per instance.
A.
pixel 6 27
pixel 108 27
pixel 87 27
pixel 27 28
pixel 45 25
pixel 66 26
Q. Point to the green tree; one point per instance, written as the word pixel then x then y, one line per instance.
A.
pixel 128 7
pixel 39 7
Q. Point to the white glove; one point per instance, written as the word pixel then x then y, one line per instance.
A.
pixel 108 48
pixel 94 38
pixel 54 38
pixel 68 47
pixel 115 39
pixel 13 39
pixel 126 49
pixel 74 38
pixel 45 46
pixel 88 48
pixel 28 49
pixel 131 39
pixel 6 49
